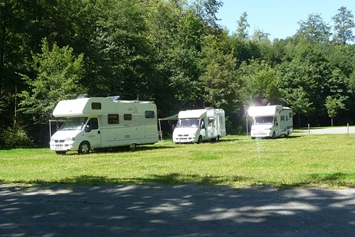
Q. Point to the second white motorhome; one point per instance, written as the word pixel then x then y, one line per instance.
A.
pixel 196 126
pixel 93 123
pixel 271 121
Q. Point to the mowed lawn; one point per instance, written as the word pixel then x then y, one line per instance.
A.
pixel 239 161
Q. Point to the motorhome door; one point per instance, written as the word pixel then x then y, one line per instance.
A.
pixel 93 133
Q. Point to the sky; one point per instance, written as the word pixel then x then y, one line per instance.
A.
pixel 279 18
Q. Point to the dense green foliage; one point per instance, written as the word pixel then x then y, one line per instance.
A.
pixel 171 51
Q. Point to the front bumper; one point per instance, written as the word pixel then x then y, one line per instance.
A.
pixel 261 133
pixel 184 139
pixel 63 146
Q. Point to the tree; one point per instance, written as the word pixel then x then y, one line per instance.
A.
pixel 342 58
pixel 260 36
pixel 311 71
pixel 15 30
pixel 276 52
pixel 261 83
pixel 119 63
pixel 242 26
pixel 297 99
pixel 177 33
pixel 59 77
pixel 334 105
pixel 343 25
pixel 314 29
pixel 221 83
pixel 207 10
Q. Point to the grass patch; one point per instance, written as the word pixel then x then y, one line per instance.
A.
pixel 297 161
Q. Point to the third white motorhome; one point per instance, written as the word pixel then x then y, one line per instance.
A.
pixel 271 121
pixel 98 122
pixel 195 126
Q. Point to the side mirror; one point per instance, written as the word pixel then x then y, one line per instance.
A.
pixel 87 128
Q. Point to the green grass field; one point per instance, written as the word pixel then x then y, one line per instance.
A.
pixel 297 161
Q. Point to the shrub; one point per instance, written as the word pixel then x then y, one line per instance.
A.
pixel 16 138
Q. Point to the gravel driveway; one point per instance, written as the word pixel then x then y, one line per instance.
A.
pixel 185 211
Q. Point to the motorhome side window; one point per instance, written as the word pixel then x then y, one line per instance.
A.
pixel 95 105
pixel 113 119
pixel 149 114
pixel 93 123
pixel 127 116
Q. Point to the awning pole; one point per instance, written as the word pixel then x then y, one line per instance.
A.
pixel 50 130
pixel 161 135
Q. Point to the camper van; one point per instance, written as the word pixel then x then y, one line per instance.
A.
pixel 93 123
pixel 196 126
pixel 271 121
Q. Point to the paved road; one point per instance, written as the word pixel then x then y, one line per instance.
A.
pixel 184 211
pixel 335 130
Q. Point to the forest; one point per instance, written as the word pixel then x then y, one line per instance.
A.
pixel 172 52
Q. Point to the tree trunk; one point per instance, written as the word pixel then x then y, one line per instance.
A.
pixel 2 46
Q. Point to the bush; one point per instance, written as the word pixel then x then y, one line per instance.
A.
pixel 16 138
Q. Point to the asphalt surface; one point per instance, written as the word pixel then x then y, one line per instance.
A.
pixel 185 211
pixel 333 130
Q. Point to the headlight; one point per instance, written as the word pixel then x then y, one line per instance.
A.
pixel 70 139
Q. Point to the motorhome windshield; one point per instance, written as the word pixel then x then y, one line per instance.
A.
pixel 74 123
pixel 188 123
pixel 264 120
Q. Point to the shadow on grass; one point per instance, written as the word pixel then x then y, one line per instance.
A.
pixel 293 136
pixel 168 179
pixel 228 139
pixel 282 137
pixel 329 180
pixel 333 180
pixel 7 148
pixel 122 150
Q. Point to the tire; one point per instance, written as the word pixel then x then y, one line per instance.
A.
pixel 132 147
pixel 84 148
pixel 217 139
pixel 274 135
pixel 199 140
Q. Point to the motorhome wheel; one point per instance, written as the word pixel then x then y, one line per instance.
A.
pixel 132 147
pixel 274 135
pixel 84 148
pixel 199 140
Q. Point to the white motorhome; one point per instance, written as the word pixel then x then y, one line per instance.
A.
pixel 200 125
pixel 93 123
pixel 271 121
